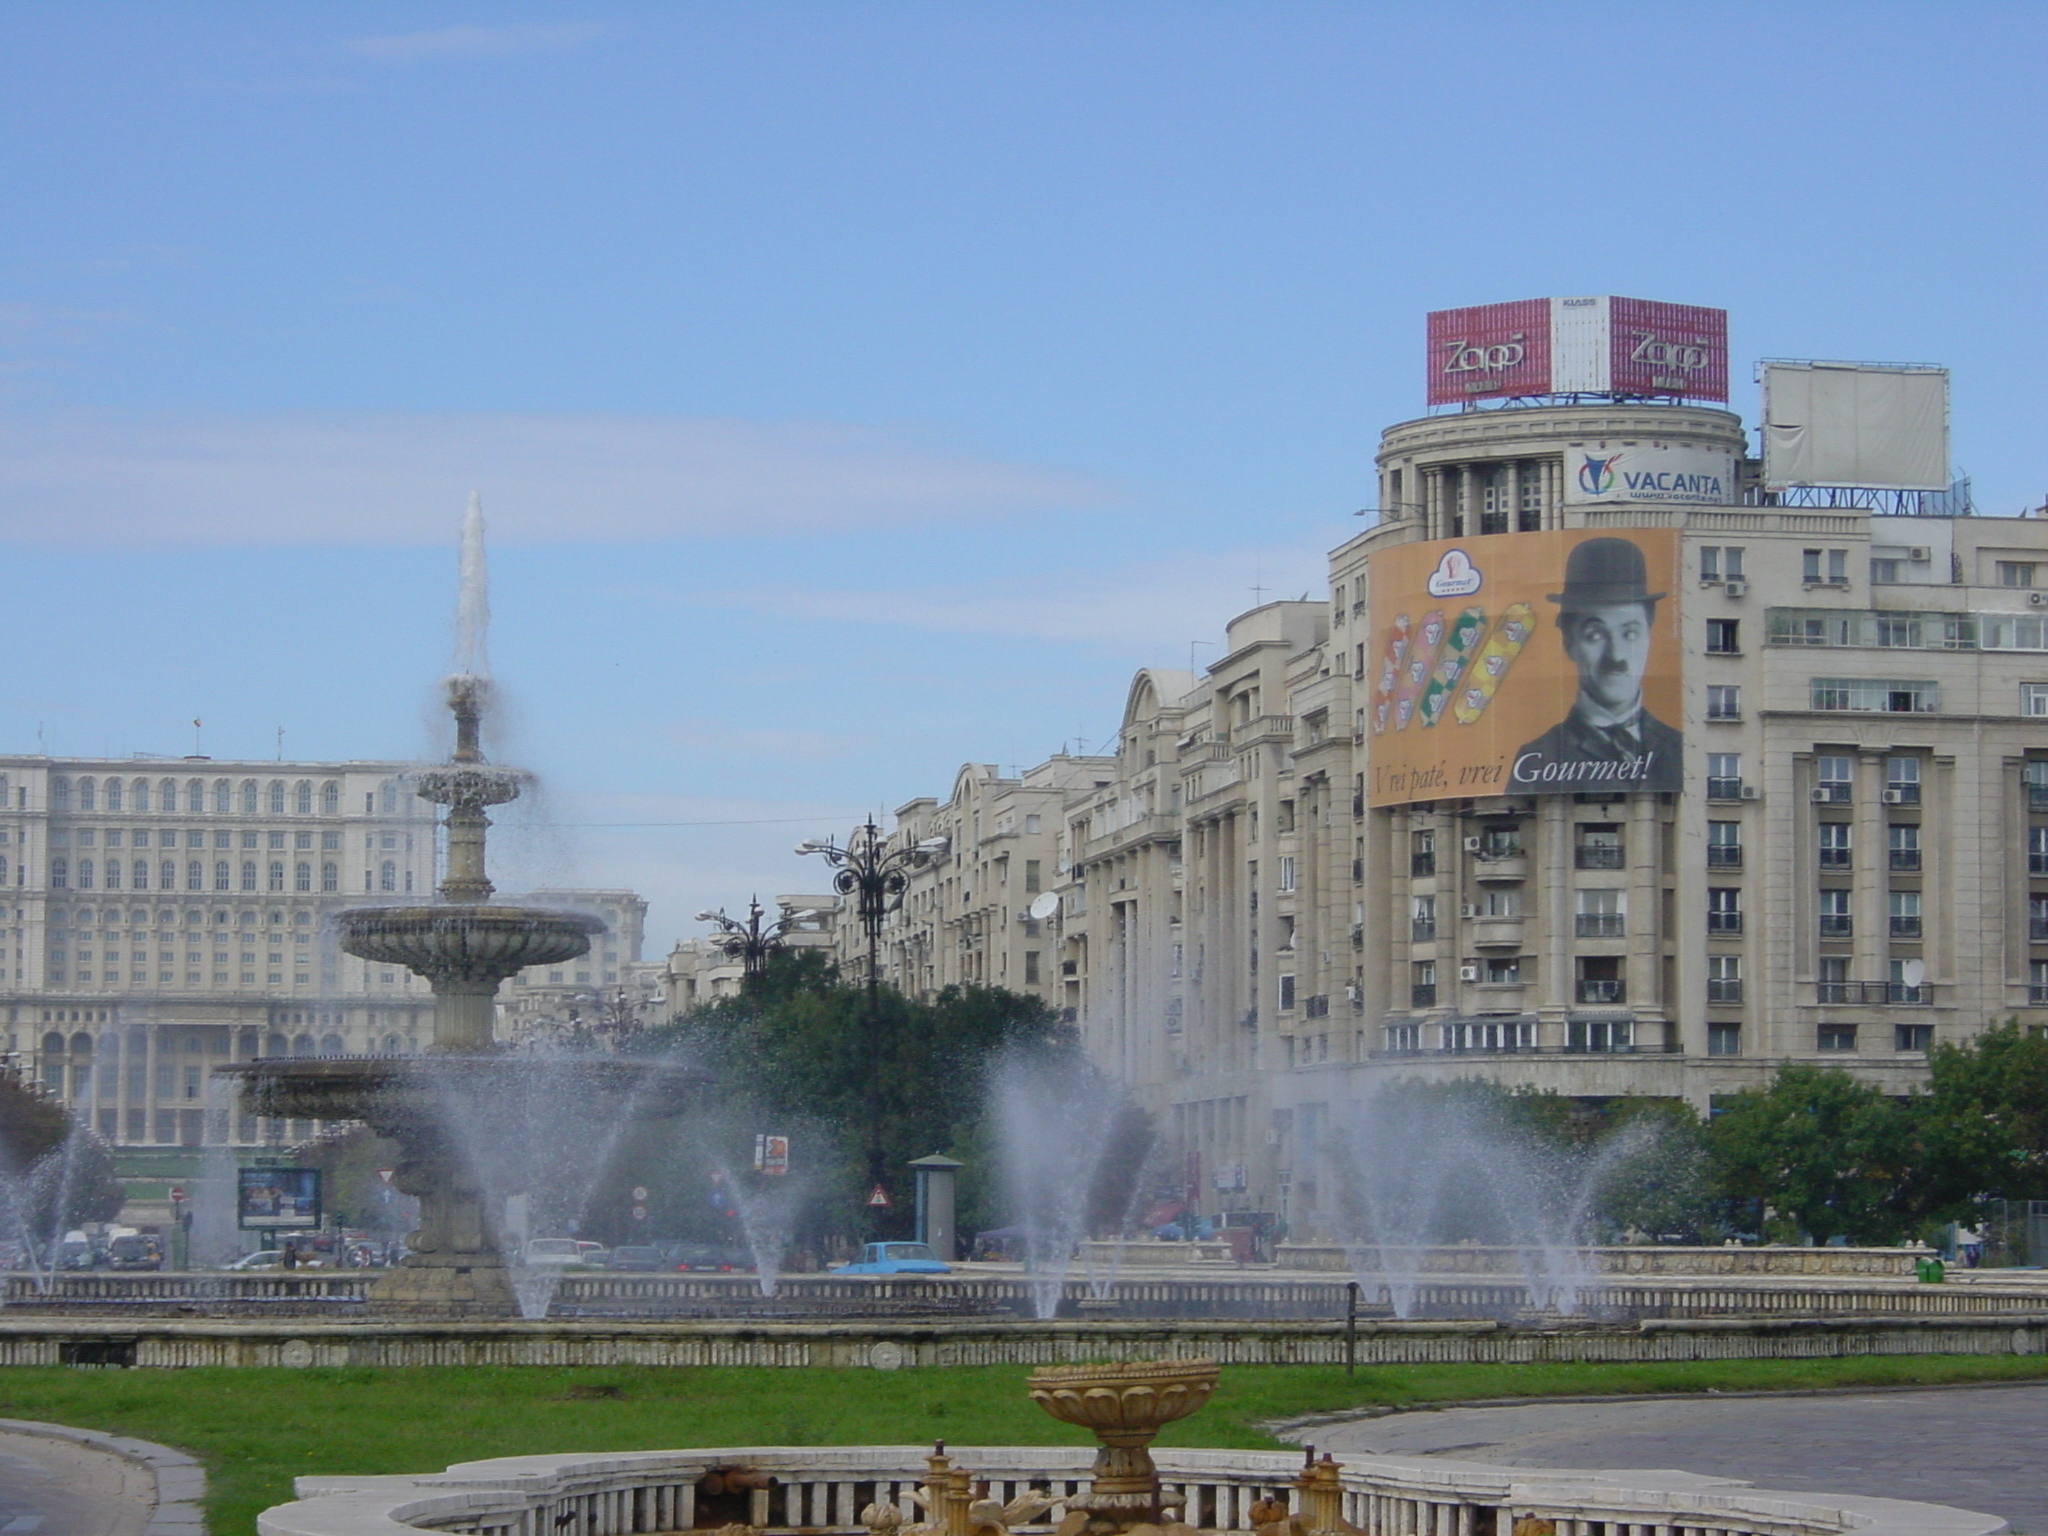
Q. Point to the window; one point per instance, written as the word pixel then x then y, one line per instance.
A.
pixel 1721 562
pixel 222 876
pixel 1835 777
pixel 2016 573
pixel 1724 775
pixel 248 874
pixel 387 876
pixel 1033 876
pixel 223 797
pixel 1602 915
pixel 1724 1039
pixel 60 794
pixel 167 876
pixel 2037 981
pixel 1600 979
pixel 1600 1035
pixel 60 874
pixel 1422 984
pixel 276 880
pixel 276 798
pixel 1724 978
pixel 1902 781
pixel 1836 1037
pixel 330 876
pixel 1724 701
pixel 1912 1037
pixel 1422 849
pixel 1286 994
pixel 195 876
pixel 1903 847
pixel 303 798
pixel 2037 850
pixel 1827 567
pixel 330 798
pixel 1599 846
pixel 248 797
pixel 2035 776
pixel 1723 637
pixel 1724 845
pixel 1835 921
pixel 1503 970
pixel 1422 920
pixel 1403 1039
pixel 1286 871
pixel 1906 982
pixel 1886 572
pixel 1835 852
pixel 1724 909
pixel 1858 695
pixel 302 876
pixel 1501 842
pixel 195 798
pixel 1905 914
pixel 2034 699
pixel 1832 975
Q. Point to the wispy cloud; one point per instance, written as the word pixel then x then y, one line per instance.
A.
pixel 470 43
pixel 1139 605
pixel 389 478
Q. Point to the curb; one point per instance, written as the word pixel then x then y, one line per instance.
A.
pixel 1284 1428
pixel 180 1480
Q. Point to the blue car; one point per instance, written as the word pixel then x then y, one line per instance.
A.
pixel 895 1259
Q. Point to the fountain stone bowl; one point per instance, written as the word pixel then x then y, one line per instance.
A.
pixel 1125 1406
pixel 472 942
pixel 408 1097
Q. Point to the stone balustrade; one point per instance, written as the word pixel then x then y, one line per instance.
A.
pixel 1458 1259
pixel 820 1491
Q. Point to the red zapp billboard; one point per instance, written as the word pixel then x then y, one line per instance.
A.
pixel 1488 351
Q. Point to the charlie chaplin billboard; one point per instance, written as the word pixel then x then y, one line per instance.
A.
pixel 1524 664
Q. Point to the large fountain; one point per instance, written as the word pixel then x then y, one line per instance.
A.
pixel 432 1105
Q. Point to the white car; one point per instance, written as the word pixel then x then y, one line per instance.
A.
pixel 552 1252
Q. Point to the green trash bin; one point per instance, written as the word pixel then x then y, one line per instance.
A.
pixel 1932 1271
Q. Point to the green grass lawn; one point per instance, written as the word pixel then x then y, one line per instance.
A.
pixel 257 1429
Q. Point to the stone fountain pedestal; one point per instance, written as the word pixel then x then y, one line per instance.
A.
pixel 1126 1406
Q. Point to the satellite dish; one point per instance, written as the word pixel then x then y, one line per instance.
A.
pixel 1913 973
pixel 1043 906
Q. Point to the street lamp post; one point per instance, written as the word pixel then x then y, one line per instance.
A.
pixel 751 942
pixel 876 876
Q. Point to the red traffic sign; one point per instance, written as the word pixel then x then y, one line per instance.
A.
pixel 177 1194
pixel 878 1197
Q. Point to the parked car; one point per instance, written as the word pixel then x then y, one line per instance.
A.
pixel 636 1259
pixel 265 1258
pixel 596 1255
pixel 553 1253
pixel 895 1259
pixel 711 1259
pixel 134 1251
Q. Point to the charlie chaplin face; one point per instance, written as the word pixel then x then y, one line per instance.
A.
pixel 1610 645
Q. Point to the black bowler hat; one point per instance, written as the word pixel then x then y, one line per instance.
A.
pixel 1601 572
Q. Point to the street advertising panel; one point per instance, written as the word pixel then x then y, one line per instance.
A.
pixel 1524 664
pixel 771 1155
pixel 278 1199
pixel 1602 474
pixel 1599 345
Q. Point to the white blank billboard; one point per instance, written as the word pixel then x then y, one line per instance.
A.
pixel 1855 424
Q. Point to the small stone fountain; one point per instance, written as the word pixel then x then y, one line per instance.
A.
pixel 465 947
pixel 1126 1406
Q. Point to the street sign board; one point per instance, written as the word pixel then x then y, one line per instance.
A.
pixel 177 1195
pixel 771 1155
pixel 879 1197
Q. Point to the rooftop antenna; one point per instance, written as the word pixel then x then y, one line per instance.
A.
pixel 280 743
pixel 197 750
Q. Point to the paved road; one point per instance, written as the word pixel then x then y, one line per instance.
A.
pixel 1975 1447
pixel 56 1488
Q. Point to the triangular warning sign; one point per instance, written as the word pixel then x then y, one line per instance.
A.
pixel 878 1196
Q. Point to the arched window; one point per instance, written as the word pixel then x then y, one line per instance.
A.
pixel 390 799
pixel 302 1045
pixel 195 797
pixel 60 874
pixel 387 877
pixel 248 874
pixel 60 794
pixel 141 794
pixel 248 797
pixel 85 874
pixel 113 794
pixel 330 1045
pixel 223 797
pixel 391 1045
pixel 138 876
pixel 276 797
pixel 330 877
pixel 304 798
pixel 166 795
pixel 195 876
pixel 330 798
pixel 167 875
pixel 221 876
pixel 113 874
pixel 302 876
pixel 53 1044
pixel 277 874
pixel 85 794
pixel 275 1045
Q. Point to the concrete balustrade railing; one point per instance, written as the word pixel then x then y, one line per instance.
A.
pixel 820 1491
pixel 1462 1259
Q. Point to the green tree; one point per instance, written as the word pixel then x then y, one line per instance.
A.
pixel 59 1172
pixel 1821 1153
pixel 1652 1174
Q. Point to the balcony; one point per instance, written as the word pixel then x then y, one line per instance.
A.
pixel 1724 989
pixel 1836 926
pixel 1604 991
pixel 1599 856
pixel 1422 995
pixel 1724 922
pixel 1836 859
pixel 1496 929
pixel 1902 794
pixel 1833 792
pixel 1724 856
pixel 2037 995
pixel 1421 865
pixel 2037 797
pixel 1263 728
pixel 1500 866
pixel 1724 789
pixel 2037 864
pixel 1869 993
pixel 2037 930
pixel 1905 861
pixel 1905 927
pixel 1420 932
pixel 1601 925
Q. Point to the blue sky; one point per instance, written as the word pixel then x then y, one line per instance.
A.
pixel 860 389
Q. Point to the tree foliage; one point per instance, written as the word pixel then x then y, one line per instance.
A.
pixel 1820 1153
pixel 54 1169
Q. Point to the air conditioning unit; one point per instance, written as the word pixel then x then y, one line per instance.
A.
pixel 1895 797
pixel 1918 553
pixel 1468 973
pixel 1823 796
pixel 1468 909
pixel 1751 792
pixel 1472 845
pixel 2037 598
pixel 1735 588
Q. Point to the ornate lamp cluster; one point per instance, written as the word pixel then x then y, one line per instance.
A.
pixel 876 875
pixel 752 942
